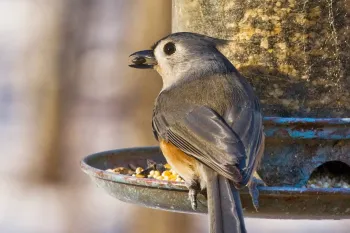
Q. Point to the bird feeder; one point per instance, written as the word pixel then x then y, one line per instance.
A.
pixel 297 56
pixel 296 148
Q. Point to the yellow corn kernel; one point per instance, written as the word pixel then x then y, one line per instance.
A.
pixel 178 180
pixel 140 176
pixel 165 177
pixel 149 176
pixel 167 166
pixel 151 173
pixel 166 173
pixel 172 177
pixel 156 173
pixel 159 177
pixel 139 170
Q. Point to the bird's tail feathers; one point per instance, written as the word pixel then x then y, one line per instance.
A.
pixel 224 205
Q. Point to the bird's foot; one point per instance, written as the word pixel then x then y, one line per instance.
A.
pixel 194 189
pixel 253 190
pixel 192 195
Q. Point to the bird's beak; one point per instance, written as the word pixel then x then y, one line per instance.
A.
pixel 143 59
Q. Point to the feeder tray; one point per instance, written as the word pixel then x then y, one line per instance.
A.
pixel 295 148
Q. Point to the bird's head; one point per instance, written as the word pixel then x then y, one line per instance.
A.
pixel 183 55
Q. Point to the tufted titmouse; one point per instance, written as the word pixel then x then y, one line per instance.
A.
pixel 208 122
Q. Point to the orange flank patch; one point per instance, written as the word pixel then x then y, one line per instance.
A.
pixel 183 164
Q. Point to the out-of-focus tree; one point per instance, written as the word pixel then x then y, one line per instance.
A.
pixel 84 96
pixel 40 65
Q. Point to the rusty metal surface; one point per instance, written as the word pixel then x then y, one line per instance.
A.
pixel 287 165
pixel 307 128
pixel 295 147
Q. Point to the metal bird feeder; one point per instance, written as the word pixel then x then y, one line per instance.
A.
pixel 296 55
pixel 295 148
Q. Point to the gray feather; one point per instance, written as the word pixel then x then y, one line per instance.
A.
pixel 224 205
pixel 217 121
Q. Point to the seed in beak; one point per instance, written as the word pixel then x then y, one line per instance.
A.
pixel 139 60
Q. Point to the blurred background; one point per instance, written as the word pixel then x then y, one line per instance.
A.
pixel 66 91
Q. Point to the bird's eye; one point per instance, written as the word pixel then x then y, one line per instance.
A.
pixel 169 48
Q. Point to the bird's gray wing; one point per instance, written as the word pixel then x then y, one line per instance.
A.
pixel 247 123
pixel 205 135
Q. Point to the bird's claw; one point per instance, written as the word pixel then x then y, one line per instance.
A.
pixel 192 195
pixel 254 192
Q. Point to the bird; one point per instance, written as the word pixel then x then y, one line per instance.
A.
pixel 208 122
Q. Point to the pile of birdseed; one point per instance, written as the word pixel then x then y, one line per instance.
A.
pixel 328 182
pixel 153 171
pixel 330 175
